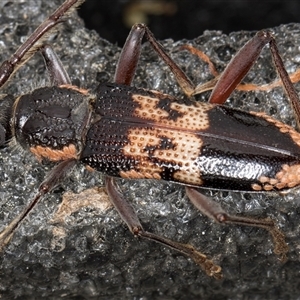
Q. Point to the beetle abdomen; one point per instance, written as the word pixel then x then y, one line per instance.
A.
pixel 145 134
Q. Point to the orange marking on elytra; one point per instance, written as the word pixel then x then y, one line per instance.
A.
pixel 145 148
pixel 256 187
pixel 148 109
pixel 133 174
pixel 287 177
pixel 67 152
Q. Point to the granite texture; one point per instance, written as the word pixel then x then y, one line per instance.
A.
pixel 83 250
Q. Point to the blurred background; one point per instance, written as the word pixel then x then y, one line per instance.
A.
pixel 178 19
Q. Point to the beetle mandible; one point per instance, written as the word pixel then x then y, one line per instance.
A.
pixel 129 132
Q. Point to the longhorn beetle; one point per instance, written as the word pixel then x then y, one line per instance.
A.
pixel 133 133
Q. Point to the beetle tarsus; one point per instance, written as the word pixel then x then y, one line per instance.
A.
pixel 210 268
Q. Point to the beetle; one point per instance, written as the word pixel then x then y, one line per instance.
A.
pixel 153 124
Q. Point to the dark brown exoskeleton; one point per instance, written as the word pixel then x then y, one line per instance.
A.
pixel 134 133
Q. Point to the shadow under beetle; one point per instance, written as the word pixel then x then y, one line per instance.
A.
pixel 133 133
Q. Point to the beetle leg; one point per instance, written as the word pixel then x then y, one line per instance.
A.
pixel 243 61
pixel 57 73
pixel 35 40
pixel 214 211
pixel 130 55
pixel 286 81
pixel 238 67
pixel 54 177
pixel 129 216
pixel 209 85
pixel 246 87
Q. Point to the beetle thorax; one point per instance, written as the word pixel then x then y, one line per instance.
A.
pixel 52 122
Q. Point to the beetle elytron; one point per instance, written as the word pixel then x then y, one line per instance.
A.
pixel 128 132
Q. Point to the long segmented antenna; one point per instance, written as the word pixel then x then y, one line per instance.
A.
pixel 35 40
